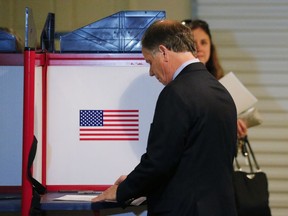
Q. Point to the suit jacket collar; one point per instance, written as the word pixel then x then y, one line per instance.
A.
pixel 192 67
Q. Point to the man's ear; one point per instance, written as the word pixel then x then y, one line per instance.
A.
pixel 164 51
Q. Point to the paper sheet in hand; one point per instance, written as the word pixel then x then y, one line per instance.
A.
pixel 74 197
pixel 242 97
pixel 88 198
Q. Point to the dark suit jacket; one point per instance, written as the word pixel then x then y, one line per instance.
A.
pixel 187 168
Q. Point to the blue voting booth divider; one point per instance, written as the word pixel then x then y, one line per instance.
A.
pixel 8 41
pixel 120 58
pixel 118 33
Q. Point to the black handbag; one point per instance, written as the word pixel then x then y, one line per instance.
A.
pixel 251 188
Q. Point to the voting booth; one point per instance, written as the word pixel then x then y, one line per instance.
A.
pixel 99 102
pixel 89 106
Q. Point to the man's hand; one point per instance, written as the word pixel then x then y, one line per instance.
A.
pixel 107 195
pixel 110 193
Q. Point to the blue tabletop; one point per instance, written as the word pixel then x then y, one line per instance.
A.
pixel 10 202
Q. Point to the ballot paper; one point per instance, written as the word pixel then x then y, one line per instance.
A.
pixel 88 198
pixel 76 197
pixel 242 97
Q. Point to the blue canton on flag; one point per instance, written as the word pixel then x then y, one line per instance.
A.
pixel 91 118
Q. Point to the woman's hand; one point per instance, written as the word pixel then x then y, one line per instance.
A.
pixel 241 128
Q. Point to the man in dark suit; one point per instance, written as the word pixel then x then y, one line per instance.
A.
pixel 187 168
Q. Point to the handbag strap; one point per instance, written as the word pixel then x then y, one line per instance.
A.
pixel 251 153
pixel 247 150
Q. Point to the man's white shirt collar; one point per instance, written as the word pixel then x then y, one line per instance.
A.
pixel 183 66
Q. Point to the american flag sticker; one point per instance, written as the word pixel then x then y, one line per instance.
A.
pixel 109 125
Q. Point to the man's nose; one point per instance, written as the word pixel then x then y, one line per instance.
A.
pixel 198 46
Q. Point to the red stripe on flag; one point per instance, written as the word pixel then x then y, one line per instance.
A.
pixel 102 129
pixel 109 139
pixel 110 134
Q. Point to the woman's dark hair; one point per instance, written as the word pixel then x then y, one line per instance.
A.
pixel 213 64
